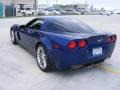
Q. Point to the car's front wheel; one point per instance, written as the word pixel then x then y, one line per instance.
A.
pixel 43 59
pixel 13 38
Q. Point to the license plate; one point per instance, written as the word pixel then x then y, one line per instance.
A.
pixel 97 51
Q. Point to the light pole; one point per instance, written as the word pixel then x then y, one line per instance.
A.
pixel 35 5
pixel 56 2
pixel 47 2
pixel 73 1
pixel 85 5
pixel 13 6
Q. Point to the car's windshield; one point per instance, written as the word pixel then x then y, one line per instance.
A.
pixel 68 10
pixel 28 8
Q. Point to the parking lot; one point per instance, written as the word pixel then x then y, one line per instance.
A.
pixel 19 70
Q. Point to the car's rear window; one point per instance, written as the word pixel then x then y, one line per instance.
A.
pixel 72 26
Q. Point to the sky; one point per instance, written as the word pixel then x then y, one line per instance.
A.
pixel 96 3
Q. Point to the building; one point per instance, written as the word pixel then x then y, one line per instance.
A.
pixel 77 7
pixel 1 9
pixel 20 4
pixel 11 7
pixel 25 3
pixel 43 6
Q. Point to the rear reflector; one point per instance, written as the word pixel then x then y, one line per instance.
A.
pixel 82 43
pixel 72 44
pixel 56 46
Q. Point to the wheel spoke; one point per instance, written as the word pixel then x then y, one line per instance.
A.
pixel 12 36
pixel 41 57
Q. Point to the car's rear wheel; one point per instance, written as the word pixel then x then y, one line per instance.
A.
pixel 13 38
pixel 43 59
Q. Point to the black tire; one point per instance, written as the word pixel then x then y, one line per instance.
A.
pixel 23 14
pixel 48 66
pixel 55 14
pixel 32 13
pixel 13 38
pixel 102 61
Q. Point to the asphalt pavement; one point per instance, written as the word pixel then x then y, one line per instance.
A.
pixel 19 70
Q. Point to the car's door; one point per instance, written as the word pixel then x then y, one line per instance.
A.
pixel 30 33
pixel 27 10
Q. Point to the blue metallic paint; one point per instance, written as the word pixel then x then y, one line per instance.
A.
pixel 64 57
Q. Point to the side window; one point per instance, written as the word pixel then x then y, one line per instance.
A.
pixel 35 24
pixel 27 9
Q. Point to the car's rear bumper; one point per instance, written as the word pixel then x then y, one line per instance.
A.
pixel 64 58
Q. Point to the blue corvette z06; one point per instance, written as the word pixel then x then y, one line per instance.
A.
pixel 61 43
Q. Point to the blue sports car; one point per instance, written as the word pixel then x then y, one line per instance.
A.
pixel 61 43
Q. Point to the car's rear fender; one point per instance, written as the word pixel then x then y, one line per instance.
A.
pixel 44 41
pixel 47 44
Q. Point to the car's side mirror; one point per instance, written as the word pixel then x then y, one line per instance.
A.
pixel 23 27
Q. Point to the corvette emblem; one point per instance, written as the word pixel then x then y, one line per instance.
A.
pixel 100 40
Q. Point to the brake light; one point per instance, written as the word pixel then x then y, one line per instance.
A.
pixel 109 39
pixel 72 44
pixel 82 43
pixel 112 39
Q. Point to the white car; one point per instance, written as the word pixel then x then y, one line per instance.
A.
pixel 77 13
pixel 27 11
pixel 105 13
pixel 45 12
pixel 118 12
pixel 56 12
pixel 49 12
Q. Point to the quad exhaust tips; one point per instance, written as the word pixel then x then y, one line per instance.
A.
pixel 90 65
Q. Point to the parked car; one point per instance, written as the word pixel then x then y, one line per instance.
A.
pixel 77 12
pixel 118 12
pixel 48 12
pixel 82 10
pixel 27 11
pixel 45 12
pixel 69 12
pixel 53 11
pixel 105 13
pixel 111 12
pixel 63 12
pixel 40 12
pixel 57 12
pixel 61 43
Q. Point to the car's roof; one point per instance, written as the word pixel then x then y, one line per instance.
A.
pixel 54 18
pixel 68 23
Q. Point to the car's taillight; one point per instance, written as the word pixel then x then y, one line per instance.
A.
pixel 111 38
pixel 72 44
pixel 82 43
